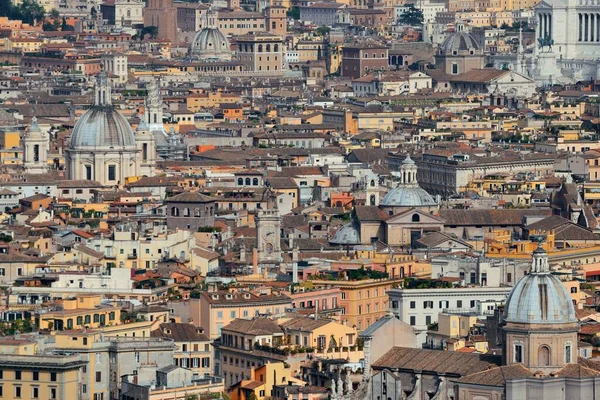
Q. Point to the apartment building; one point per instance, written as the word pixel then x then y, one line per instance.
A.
pixel 421 307
pixel 78 312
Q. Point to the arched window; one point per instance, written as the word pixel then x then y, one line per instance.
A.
pixel 240 181
pixel 416 218
pixel 186 212
pixel 255 182
pixel 210 211
pixel 174 212
pixel 247 181
pixel 268 47
pixel 128 13
pixel 401 272
pixel 544 356
pixel 260 48
pixel 197 212
pixel 276 48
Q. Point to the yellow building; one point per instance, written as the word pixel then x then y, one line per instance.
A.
pixel 363 301
pixel 198 102
pixel 79 312
pixel 261 382
pixel 40 376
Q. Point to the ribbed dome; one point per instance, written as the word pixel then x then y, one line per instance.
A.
pixel 102 126
pixel 210 44
pixel 346 235
pixel 413 196
pixel 459 41
pixel 540 297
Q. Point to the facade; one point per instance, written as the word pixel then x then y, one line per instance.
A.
pixel 115 63
pixel 361 58
pixel 260 52
pixel 209 44
pixel 421 307
pixel 268 235
pixel 190 211
pixel 123 13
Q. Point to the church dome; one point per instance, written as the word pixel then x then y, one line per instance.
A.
pixel 539 297
pixel 346 235
pixel 408 193
pixel 459 41
pixel 210 44
pixel 102 125
pixel 408 197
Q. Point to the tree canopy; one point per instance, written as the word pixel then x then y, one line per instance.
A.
pixel 411 16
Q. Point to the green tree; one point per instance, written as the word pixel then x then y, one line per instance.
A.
pixel 323 30
pixel 294 12
pixel 151 31
pixel 54 13
pixel 66 27
pixel 411 16
pixel 29 12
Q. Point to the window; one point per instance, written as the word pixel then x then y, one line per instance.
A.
pixel 84 388
pixel 35 375
pixel 53 393
pixel 53 376
pixel 35 392
pixel 428 304
pixel 18 392
pixel 17 375
pixel 413 320
pixel 112 172
pixel 343 296
pixel 88 172
pixel 98 376
pixel 137 357
pixel 454 69
pixel 568 354
pixel 428 320
pixel 458 303
pixel 232 314
pixel 219 314
pixel 518 353
pixel 413 304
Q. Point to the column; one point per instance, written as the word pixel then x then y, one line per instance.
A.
pixel 580 27
pixel 540 27
pixel 592 27
pixel 550 26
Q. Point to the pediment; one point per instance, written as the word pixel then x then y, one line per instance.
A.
pixel 408 217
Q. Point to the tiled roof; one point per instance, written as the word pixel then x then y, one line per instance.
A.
pixel 256 326
pixel 190 197
pixel 497 376
pixel 446 362
pixel 304 324
pixel 180 332
pixel 488 217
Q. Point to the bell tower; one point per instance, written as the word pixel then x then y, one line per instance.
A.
pixel 36 145
pixel 268 231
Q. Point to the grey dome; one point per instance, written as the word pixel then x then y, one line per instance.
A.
pixel 210 44
pixel 539 298
pixel 346 235
pixel 102 126
pixel 459 41
pixel 411 196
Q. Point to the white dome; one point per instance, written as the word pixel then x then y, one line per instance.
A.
pixel 540 297
pixel 210 44
pixel 346 235
pixel 412 196
pixel 102 126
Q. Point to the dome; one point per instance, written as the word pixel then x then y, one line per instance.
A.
pixel 540 297
pixel 459 41
pixel 408 197
pixel 346 235
pixel 102 126
pixel 210 44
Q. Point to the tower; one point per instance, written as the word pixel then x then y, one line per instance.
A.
pixel 268 232
pixel 144 141
pixel 36 145
pixel 276 20
pixel 154 110
pixel 540 327
pixel 408 173
pixel 102 94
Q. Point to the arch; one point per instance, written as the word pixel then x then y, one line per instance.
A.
pixel 276 47
pixel 268 48
pixel 372 182
pixel 260 48
pixel 240 181
pixel 174 212
pixel 247 181
pixel 416 218
pixel 128 13
pixel 197 212
pixel 186 212
pixel 544 355
pixel 255 182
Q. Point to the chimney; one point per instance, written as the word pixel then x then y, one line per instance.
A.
pixel 243 253
pixel 295 265
pixel 255 260
pixel 291 240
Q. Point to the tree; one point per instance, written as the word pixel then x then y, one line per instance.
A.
pixel 66 27
pixel 152 31
pixel 294 13
pixel 29 12
pixel 323 30
pixel 411 16
pixel 54 13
